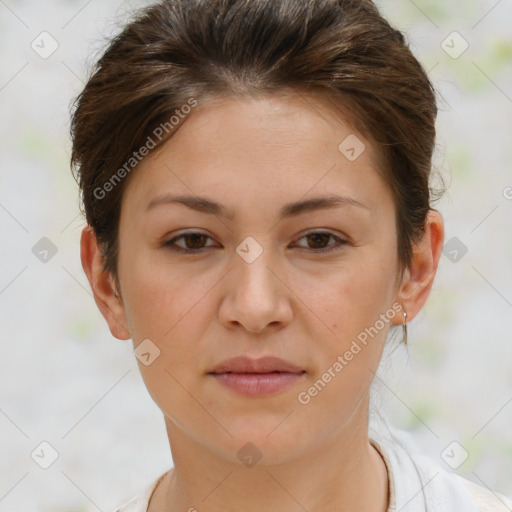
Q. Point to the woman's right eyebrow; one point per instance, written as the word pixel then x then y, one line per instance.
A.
pixel 206 205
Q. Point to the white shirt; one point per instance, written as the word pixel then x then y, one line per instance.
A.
pixel 416 484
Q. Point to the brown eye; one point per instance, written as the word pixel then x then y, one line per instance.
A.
pixel 318 240
pixel 194 242
pixel 195 239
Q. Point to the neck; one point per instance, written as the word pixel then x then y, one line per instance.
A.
pixel 344 474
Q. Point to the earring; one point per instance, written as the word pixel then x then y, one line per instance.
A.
pixel 404 327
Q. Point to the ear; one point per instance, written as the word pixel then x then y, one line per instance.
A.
pixel 102 285
pixel 418 279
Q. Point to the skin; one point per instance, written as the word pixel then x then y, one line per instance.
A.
pixel 253 156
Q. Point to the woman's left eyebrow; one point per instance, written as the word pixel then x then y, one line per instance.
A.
pixel 206 205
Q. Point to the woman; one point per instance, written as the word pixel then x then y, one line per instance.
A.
pixel 255 178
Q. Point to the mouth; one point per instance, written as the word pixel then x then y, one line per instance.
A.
pixel 257 384
pixel 244 364
pixel 257 377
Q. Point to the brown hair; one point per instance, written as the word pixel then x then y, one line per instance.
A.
pixel 177 52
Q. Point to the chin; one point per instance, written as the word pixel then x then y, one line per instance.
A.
pixel 266 440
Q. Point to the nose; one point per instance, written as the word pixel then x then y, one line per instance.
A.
pixel 257 296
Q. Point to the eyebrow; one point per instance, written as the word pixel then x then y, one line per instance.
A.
pixel 205 205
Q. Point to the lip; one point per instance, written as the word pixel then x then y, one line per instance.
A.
pixel 244 364
pixel 257 377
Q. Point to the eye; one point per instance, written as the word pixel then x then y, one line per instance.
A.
pixel 320 238
pixel 193 241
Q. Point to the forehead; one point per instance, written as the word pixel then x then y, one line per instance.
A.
pixel 269 145
pixel 298 122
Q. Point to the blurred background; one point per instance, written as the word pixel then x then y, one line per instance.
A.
pixel 78 429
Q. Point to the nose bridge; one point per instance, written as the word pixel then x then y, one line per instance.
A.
pixel 253 270
pixel 256 293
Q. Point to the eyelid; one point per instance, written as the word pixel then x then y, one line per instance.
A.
pixel 340 241
pixel 182 235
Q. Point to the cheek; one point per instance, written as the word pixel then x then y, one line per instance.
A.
pixel 156 298
pixel 168 310
pixel 352 305
pixel 172 310
pixel 353 298
pixel 348 357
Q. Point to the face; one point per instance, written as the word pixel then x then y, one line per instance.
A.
pixel 314 287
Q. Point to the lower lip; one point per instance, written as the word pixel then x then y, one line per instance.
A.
pixel 257 384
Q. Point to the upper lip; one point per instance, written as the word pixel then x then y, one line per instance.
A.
pixel 244 364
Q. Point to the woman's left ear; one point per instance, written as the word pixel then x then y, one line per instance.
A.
pixel 419 277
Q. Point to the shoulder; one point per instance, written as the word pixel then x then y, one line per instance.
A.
pixel 140 502
pixel 442 490
pixel 486 500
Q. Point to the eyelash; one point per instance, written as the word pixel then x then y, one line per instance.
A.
pixel 175 248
